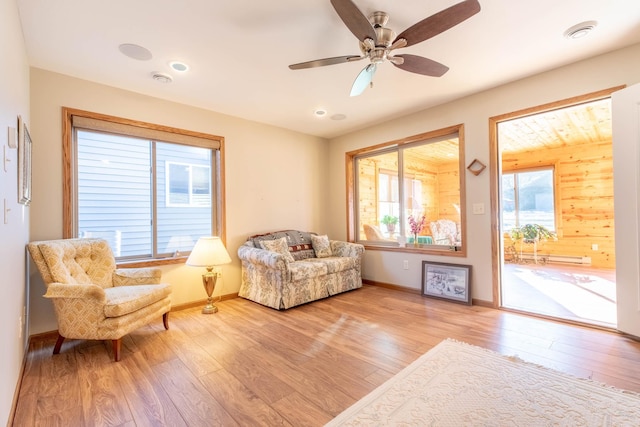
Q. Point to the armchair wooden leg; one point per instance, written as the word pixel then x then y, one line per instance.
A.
pixel 116 349
pixel 165 320
pixel 56 348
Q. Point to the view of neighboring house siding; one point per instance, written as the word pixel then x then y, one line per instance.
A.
pixel 115 193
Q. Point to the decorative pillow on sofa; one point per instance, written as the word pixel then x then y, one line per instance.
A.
pixel 278 245
pixel 299 242
pixel 321 246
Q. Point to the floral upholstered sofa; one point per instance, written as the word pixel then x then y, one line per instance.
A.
pixel 286 268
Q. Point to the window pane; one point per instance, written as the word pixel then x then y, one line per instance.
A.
pixel 178 176
pixel 114 191
pixel 186 173
pixel 428 185
pixel 395 191
pixel 432 189
pixel 508 202
pixel 535 198
pixel 384 185
pixel 201 184
pixel 378 197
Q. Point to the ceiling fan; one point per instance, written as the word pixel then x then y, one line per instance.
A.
pixel 378 42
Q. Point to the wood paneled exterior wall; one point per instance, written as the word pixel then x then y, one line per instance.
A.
pixel 584 199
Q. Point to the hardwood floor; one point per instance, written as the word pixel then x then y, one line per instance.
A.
pixel 251 365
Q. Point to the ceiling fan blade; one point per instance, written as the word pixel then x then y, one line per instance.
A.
pixel 363 80
pixel 420 65
pixel 326 61
pixel 355 21
pixel 440 22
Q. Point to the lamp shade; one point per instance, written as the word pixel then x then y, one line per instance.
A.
pixel 208 252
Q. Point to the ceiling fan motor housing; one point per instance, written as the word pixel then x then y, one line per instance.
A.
pixel 379 18
pixel 384 36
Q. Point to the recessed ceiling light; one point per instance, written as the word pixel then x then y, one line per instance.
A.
pixel 320 112
pixel 580 30
pixel 179 66
pixel 136 52
pixel 338 117
pixel 161 77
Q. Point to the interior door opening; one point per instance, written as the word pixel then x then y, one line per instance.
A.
pixel 555 207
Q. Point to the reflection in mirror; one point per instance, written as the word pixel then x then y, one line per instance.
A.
pixel 409 193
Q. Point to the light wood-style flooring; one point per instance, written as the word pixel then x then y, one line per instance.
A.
pixel 251 365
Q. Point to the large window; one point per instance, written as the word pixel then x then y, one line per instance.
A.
pixel 151 192
pixel 528 197
pixel 392 183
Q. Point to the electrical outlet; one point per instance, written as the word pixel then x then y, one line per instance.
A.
pixel 405 264
pixel 594 247
pixel 20 327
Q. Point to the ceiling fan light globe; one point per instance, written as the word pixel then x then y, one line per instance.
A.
pixel 399 43
pixel 368 44
pixel 363 80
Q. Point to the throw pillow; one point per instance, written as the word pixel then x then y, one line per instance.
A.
pixel 321 246
pixel 279 246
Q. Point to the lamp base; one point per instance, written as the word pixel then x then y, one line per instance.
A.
pixel 209 308
pixel 209 280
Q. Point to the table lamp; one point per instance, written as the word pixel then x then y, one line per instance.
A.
pixel 209 252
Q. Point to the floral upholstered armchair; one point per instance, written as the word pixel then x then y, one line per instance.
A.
pixel 445 232
pixel 92 298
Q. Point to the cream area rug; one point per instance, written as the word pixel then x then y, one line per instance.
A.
pixel 457 384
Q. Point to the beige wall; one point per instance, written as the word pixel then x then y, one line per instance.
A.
pixel 612 69
pixel 14 234
pixel 274 177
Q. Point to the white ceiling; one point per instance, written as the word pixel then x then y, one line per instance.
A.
pixel 239 52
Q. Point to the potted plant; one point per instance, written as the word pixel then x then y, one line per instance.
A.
pixel 390 221
pixel 532 234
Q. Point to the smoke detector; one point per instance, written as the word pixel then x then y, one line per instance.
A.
pixel 161 77
pixel 580 30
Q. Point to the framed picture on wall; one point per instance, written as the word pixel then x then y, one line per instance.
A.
pixel 24 163
pixel 447 281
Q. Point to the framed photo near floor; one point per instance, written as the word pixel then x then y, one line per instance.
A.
pixel 24 164
pixel 447 281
